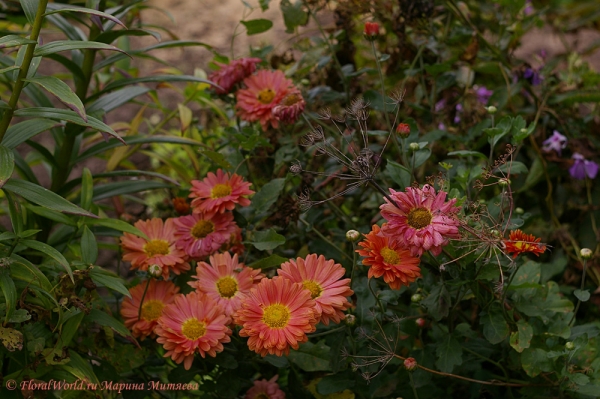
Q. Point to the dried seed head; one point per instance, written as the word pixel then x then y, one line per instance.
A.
pixel 296 167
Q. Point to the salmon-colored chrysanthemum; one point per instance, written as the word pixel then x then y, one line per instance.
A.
pixel 235 243
pixel 290 108
pixel 158 295
pixel 264 389
pixel 519 242
pixel 225 280
pixel 219 193
pixel 200 236
pixel 323 278
pixel 276 315
pixel 192 323
pixel 230 74
pixel 420 219
pixel 158 249
pixel 385 258
pixel 265 89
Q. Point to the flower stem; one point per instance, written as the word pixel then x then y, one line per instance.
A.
pixel 376 298
pixel 387 118
pixel 412 384
pixel 142 300
pixel 581 288
pixel 327 240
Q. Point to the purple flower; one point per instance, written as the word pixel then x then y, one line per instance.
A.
pixel 483 94
pixel 440 105
pixel 441 126
pixel 533 76
pixel 459 110
pixel 555 142
pixel 582 168
pixel 528 8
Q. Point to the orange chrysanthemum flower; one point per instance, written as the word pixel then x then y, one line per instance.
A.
pixel 225 280
pixel 192 323
pixel 158 249
pixel 276 315
pixel 519 242
pixel 264 389
pixel 323 279
pixel 219 193
pixel 388 259
pixel 200 235
pixel 158 295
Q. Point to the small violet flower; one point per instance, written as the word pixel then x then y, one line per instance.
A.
pixel 555 142
pixel 533 75
pixel 582 168
pixel 483 94
pixel 528 8
pixel 459 110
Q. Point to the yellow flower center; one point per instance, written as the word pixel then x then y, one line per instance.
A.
pixel 193 329
pixel 314 288
pixel 156 247
pixel 220 191
pixel 227 286
pixel 202 228
pixel 276 315
pixel 262 396
pixel 265 96
pixel 390 256
pixel 419 218
pixel 152 310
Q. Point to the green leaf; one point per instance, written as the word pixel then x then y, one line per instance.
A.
pixel 420 157
pixel 46 198
pixel 15 211
pixel 22 269
pixel 10 292
pixel 23 131
pixel 311 357
pixel 13 41
pixel 20 316
pixel 270 261
pixel 69 329
pixel 60 8
pixel 103 319
pixel 256 26
pixel 89 247
pixel 267 195
pixel 582 295
pixel 495 328
pixel 7 164
pixel 217 158
pixel 264 4
pixel 399 174
pixel 576 96
pixel 438 302
pixel 106 279
pixel 514 168
pixel 115 99
pixel 62 91
pixel 30 8
pixel 11 339
pixel 466 153
pixel 335 383
pixel 87 189
pixel 52 215
pixel 521 339
pixel 126 187
pixel 496 133
pixel 151 79
pixel 449 354
pixel 111 36
pixel 528 273
pixel 80 368
pixel 51 252
pixel 68 45
pixel 535 361
pixel 266 240
pixel 116 224
pixel 3 104
pixel 293 15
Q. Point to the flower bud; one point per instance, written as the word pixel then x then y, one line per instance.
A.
pixel 586 253
pixel 352 235
pixel 421 322
pixel 155 270
pixel 504 182
pixel 416 298
pixel 403 130
pixel 371 30
pixel 410 364
pixel 569 346
pixel 350 319
pixel 414 146
pixel 523 130
pixel 491 109
pixel 519 211
pixel 181 206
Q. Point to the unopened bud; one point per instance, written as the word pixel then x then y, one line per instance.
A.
pixel 504 182
pixel 350 319
pixel 586 253
pixel 403 130
pixel 523 130
pixel 410 364
pixel 416 298
pixel 181 206
pixel 155 270
pixel 414 146
pixel 371 30
pixel 519 211
pixel 569 346
pixel 491 109
pixel 421 322
pixel 352 235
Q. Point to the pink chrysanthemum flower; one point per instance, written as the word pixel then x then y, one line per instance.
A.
pixel 395 263
pixel 265 90
pixel 264 389
pixel 421 221
pixel 323 279
pixel 276 315
pixel 199 235
pixel 219 193
pixel 230 75
pixel 158 249
pixel 225 280
pixel 290 108
pixel 235 243
pixel 192 323
pixel 158 295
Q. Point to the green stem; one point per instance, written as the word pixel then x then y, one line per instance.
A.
pixel 376 298
pixel 326 332
pixel 581 288
pixel 24 69
pixel 327 240
pixel 142 300
pixel 382 81
pixel 412 384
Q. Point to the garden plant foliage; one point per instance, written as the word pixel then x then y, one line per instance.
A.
pixel 388 204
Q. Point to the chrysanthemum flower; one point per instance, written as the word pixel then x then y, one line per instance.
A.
pixel 219 193
pixel 519 242
pixel 225 280
pixel 192 323
pixel 235 243
pixel 395 263
pixel 323 279
pixel 290 108
pixel 230 75
pixel 276 315
pixel 158 295
pixel 264 389
pixel 421 221
pixel 159 248
pixel 265 89
pixel 200 235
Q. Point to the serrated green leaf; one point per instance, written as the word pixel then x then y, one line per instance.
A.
pixel 256 26
pixel 68 45
pixel 10 292
pixel 62 91
pixel 13 41
pixel 267 195
pixel 51 252
pixel 267 240
pixel 449 354
pixel 293 15
pixel 270 261
pixel 89 247
pixel 521 339
pixel 495 328
pixel 7 164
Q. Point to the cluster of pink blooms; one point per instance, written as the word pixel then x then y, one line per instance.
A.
pixel 266 96
pixel 418 220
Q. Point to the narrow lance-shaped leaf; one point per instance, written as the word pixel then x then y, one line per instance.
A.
pixel 10 292
pixel 68 45
pixel 87 189
pixel 23 131
pixel 63 92
pixel 59 8
pixel 7 164
pixel 51 252
pixel 13 41
pixel 89 247
pixel 30 8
